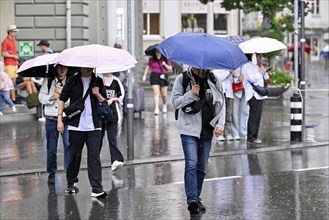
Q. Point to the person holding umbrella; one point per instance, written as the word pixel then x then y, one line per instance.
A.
pixel 254 73
pixel 84 128
pixel 201 114
pixel 49 97
pixel 159 66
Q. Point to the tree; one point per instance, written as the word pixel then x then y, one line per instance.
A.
pixel 276 25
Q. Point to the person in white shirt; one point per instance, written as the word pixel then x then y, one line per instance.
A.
pixel 240 109
pixel 49 97
pixel 253 74
pixel 226 80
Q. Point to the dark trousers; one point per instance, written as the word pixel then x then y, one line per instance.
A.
pixel 255 114
pixel 112 131
pixel 77 141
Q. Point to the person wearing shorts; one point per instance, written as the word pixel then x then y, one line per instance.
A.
pixel 10 57
pixel 159 67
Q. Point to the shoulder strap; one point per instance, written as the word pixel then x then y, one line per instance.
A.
pixel 186 80
pixel 50 80
pixel 88 91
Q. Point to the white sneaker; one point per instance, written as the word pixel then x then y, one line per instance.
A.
pixel 42 119
pixel 1 113
pixel 156 111
pixel 116 165
pixel 236 137
pixel 229 137
pixel 164 109
pixel 14 109
pixel 220 138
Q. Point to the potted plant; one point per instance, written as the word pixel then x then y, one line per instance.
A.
pixel 278 82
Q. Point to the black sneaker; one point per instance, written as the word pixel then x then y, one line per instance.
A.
pixel 70 188
pixel 100 194
pixel 202 208
pixel 193 207
pixel 76 182
pixel 51 178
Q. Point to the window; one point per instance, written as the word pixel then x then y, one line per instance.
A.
pixel 220 23
pixel 316 7
pixel 151 23
pixel 194 22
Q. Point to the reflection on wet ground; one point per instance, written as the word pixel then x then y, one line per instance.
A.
pixel 283 195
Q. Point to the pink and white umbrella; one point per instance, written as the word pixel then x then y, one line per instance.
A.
pixel 106 58
pixel 38 66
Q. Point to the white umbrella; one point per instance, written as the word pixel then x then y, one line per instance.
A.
pixel 97 56
pixel 261 45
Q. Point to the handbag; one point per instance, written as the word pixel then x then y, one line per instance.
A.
pixel 263 91
pixel 32 100
pixel 104 111
pixel 237 86
pixel 77 107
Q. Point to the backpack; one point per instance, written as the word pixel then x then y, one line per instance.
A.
pixel 195 106
pixel 32 100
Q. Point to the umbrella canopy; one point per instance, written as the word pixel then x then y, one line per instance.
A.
pixel 104 58
pixel 236 39
pixel 307 48
pixel 38 66
pixel 150 51
pixel 261 45
pixel 202 51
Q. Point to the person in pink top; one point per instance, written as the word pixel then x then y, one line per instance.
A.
pixel 159 67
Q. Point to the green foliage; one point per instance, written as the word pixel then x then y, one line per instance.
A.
pixel 279 78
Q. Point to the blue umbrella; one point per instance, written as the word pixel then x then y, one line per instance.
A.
pixel 202 51
pixel 236 39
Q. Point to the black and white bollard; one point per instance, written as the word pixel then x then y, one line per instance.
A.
pixel 296 118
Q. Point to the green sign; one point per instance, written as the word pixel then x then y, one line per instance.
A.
pixel 26 48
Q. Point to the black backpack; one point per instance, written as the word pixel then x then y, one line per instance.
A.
pixel 195 106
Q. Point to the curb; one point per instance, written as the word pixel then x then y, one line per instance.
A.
pixel 181 158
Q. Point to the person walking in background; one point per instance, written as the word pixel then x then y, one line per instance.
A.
pixel 114 95
pixel 10 57
pixel 226 80
pixel 240 109
pixel 159 66
pixel 84 128
pixel 5 86
pixel 44 46
pixel 253 74
pixel 201 113
pixel 49 97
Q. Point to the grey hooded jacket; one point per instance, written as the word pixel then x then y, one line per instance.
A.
pixel 191 124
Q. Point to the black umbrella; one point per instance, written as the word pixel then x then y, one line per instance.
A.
pixel 150 51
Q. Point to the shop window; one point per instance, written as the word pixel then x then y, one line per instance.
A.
pixel 194 23
pixel 220 23
pixel 316 7
pixel 151 23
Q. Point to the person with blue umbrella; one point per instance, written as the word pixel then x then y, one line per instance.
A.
pixel 197 96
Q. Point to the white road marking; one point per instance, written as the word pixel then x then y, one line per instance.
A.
pixel 212 179
pixel 314 168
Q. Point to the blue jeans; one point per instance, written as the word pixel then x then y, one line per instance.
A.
pixel 4 97
pixel 240 116
pixel 196 153
pixel 52 142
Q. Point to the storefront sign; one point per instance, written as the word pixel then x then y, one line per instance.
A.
pixel 26 48
pixel 193 6
pixel 151 6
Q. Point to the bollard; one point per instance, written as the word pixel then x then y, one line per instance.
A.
pixel 296 118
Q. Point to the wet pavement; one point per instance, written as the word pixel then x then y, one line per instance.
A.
pixel 278 180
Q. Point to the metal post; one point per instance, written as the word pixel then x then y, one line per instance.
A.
pixel 68 23
pixel 295 100
pixel 130 101
pixel 302 62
